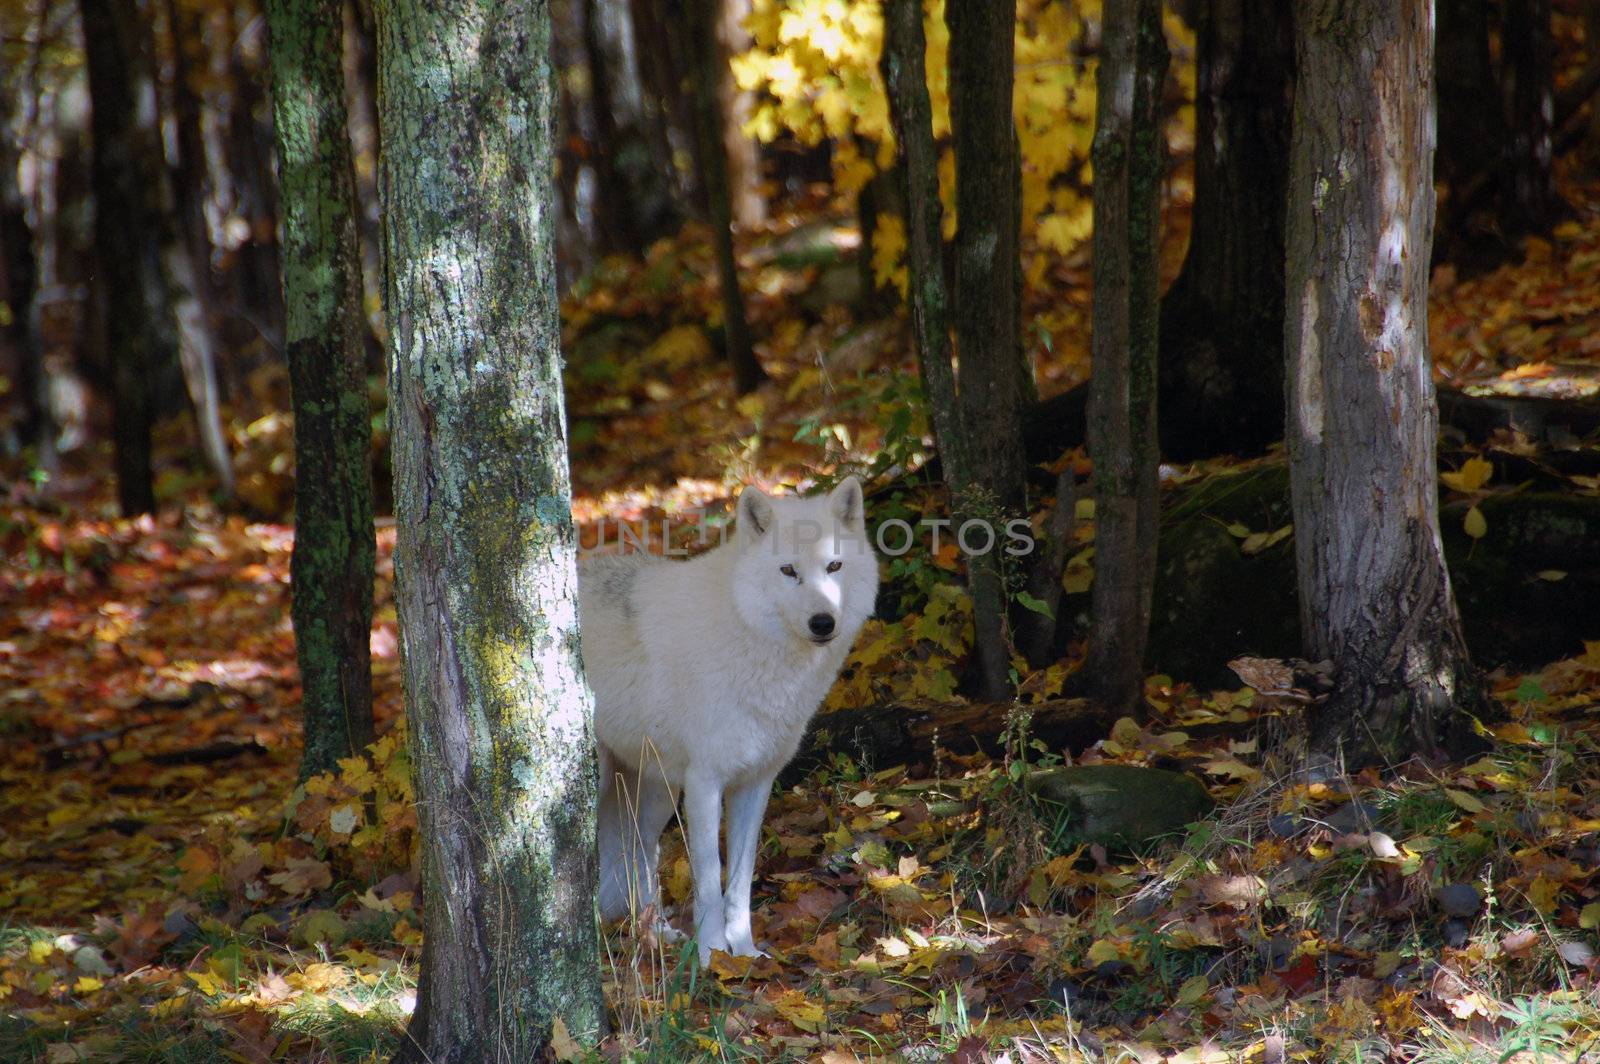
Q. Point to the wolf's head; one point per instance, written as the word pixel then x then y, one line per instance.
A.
pixel 805 569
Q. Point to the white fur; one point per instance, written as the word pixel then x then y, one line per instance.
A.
pixel 705 674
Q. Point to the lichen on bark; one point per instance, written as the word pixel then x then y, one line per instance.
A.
pixel 324 337
pixel 485 559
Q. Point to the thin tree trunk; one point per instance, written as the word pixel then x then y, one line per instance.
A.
pixel 1375 597
pixel 905 74
pixel 187 260
pixel 1221 369
pixel 250 140
pixel 1591 45
pixel 747 372
pixel 485 563
pixel 744 154
pixel 615 204
pixel 1122 421
pixel 990 396
pixel 1529 51
pixel 126 177
pixel 361 109
pixel 325 335
pixel 20 273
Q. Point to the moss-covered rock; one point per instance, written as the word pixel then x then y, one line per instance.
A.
pixel 1120 804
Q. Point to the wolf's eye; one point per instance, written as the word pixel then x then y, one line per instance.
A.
pixel 787 570
pixel 834 567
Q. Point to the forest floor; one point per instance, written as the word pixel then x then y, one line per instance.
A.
pixel 167 892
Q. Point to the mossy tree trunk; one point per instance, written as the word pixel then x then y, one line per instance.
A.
pixel 710 125
pixel 1122 398
pixel 991 395
pixel 325 335
pixel 485 561
pixel 1375 597
pixel 905 75
pixel 1221 370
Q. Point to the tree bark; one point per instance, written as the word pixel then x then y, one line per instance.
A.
pixel 485 563
pixel 325 334
pixel 1221 368
pixel 126 179
pixel 1591 66
pixel 1122 397
pixel 744 154
pixel 905 75
pixel 1375 597
pixel 710 122
pixel 990 398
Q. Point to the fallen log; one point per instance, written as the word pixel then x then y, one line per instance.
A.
pixel 1056 424
pixel 911 733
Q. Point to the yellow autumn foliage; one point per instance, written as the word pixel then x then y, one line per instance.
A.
pixel 814 67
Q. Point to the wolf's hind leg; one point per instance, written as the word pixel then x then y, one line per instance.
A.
pixel 636 807
pixel 611 840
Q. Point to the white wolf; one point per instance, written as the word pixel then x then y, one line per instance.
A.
pixel 705 674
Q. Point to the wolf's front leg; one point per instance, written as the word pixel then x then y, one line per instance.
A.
pixel 702 807
pixel 746 806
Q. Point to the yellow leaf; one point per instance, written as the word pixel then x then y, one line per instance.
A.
pixel 1474 525
pixel 798 1010
pixel 562 1044
pixel 1542 894
pixel 1465 800
pixel 1473 475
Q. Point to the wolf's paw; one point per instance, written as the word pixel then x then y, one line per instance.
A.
pixel 710 940
pixel 745 947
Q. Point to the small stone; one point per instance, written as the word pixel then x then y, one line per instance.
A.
pixel 1110 969
pixel 1458 899
pixel 1284 825
pixel 1353 817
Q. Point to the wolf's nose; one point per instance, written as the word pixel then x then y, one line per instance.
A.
pixel 821 624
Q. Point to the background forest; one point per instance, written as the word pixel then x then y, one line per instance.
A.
pixel 1148 794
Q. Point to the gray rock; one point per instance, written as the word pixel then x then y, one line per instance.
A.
pixel 1122 804
pixel 1458 899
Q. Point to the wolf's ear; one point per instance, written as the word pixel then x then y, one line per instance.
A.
pixel 846 501
pixel 755 512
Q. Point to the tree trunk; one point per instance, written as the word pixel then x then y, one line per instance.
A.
pixel 187 260
pixel 485 563
pixel 1375 597
pixel 126 179
pixel 710 121
pixel 905 75
pixel 1472 124
pixel 258 272
pixel 658 42
pixel 991 395
pixel 744 154
pixel 21 349
pixel 1122 397
pixel 1221 369
pixel 1535 205
pixel 1591 45
pixel 361 109
pixel 614 209
pixel 325 334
